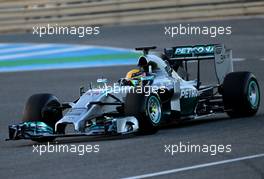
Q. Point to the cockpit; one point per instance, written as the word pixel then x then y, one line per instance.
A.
pixel 148 67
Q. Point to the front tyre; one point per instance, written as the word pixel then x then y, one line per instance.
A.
pixel 43 108
pixel 241 94
pixel 147 109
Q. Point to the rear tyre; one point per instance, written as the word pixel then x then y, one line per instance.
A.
pixel 147 109
pixel 42 108
pixel 241 94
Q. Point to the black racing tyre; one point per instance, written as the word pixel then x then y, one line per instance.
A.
pixel 147 109
pixel 43 108
pixel 241 94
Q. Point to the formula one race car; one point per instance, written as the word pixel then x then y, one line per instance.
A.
pixel 149 96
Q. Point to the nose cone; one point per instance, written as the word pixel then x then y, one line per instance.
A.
pixel 74 116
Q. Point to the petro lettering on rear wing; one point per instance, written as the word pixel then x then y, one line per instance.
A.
pixel 194 52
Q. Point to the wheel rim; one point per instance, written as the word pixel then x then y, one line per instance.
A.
pixel 154 109
pixel 253 94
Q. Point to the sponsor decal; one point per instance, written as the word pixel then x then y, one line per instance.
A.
pixel 196 50
pixel 189 93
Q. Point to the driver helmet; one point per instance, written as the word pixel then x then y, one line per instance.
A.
pixel 143 64
pixel 133 73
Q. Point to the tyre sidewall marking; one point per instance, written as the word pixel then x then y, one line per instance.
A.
pixel 148 112
pixel 253 82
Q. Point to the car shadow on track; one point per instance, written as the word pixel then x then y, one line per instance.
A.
pixel 196 122
pixel 183 124
pixel 81 139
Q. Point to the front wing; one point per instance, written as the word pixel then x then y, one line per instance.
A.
pixel 40 131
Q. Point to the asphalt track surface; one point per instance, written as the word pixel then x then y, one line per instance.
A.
pixel 137 155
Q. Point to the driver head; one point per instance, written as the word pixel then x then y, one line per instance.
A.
pixel 143 63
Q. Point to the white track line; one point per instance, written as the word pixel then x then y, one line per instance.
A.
pixel 238 59
pixel 196 167
pixel 47 52
pixel 19 49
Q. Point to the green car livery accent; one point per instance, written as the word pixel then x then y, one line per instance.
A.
pixel 37 127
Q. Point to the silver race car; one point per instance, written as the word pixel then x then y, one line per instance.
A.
pixel 157 92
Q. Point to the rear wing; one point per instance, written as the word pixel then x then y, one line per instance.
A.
pixel 222 57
